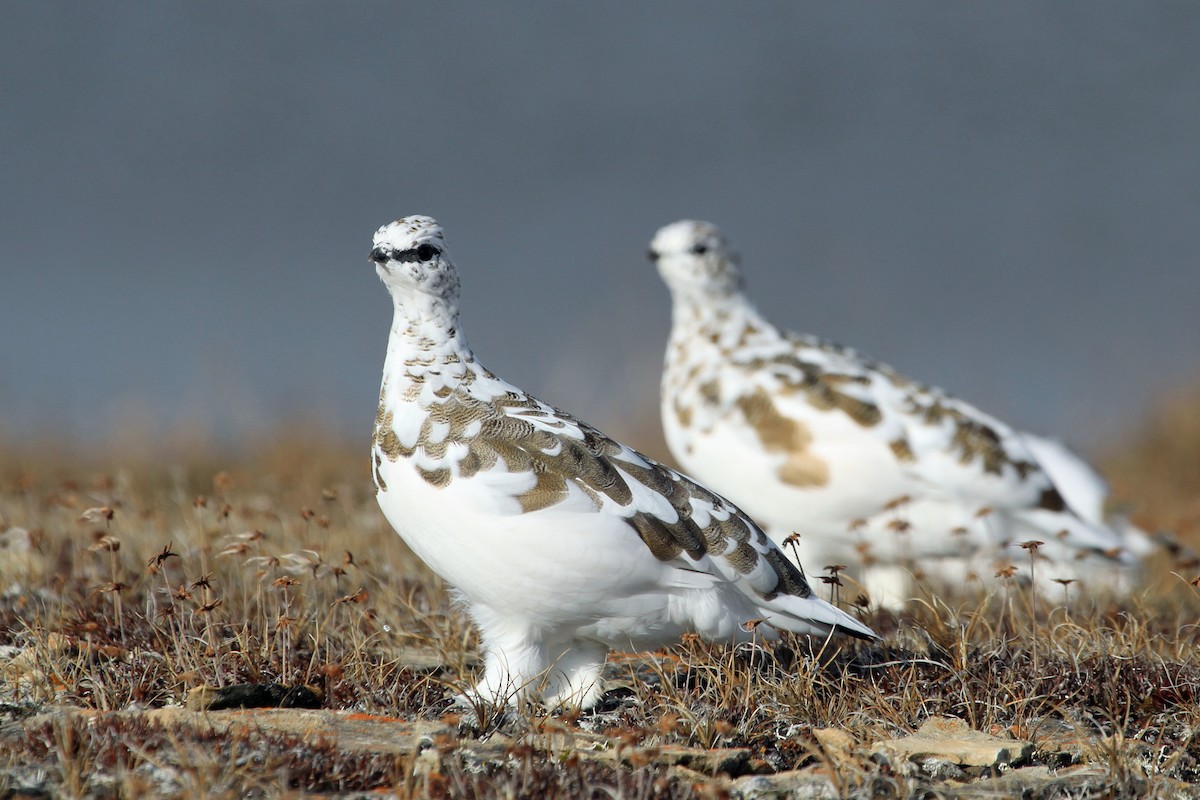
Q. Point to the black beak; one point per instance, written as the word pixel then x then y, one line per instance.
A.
pixel 652 254
pixel 381 255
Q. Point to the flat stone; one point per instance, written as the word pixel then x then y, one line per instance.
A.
pixel 1039 781
pixel 574 740
pixel 351 731
pixel 727 760
pixel 26 662
pixel 799 784
pixel 421 659
pixel 936 769
pixel 696 780
pixel 597 747
pixel 1066 741
pixel 952 740
pixel 836 743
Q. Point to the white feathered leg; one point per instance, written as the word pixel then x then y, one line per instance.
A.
pixel 514 660
pixel 574 679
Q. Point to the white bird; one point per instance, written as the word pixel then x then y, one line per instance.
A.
pixel 863 464
pixel 562 542
pixel 1087 492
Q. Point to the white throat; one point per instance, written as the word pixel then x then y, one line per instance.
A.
pixel 714 319
pixel 427 355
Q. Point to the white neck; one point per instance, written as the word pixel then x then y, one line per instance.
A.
pixel 714 320
pixel 427 351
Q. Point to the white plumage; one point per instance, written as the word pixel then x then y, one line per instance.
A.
pixel 562 542
pixel 867 466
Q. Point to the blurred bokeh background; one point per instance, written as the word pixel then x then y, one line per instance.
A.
pixel 999 198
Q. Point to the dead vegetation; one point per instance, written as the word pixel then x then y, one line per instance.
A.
pixel 1156 467
pixel 125 586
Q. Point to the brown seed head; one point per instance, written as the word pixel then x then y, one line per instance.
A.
pixel 97 514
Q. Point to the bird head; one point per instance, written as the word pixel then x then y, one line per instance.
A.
pixel 694 259
pixel 410 256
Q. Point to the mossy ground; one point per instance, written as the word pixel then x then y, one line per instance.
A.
pixel 126 584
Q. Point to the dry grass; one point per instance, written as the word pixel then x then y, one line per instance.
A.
pixel 125 586
pixel 1156 468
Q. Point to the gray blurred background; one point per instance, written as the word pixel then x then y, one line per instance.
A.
pixel 1000 198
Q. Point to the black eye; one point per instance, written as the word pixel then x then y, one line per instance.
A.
pixel 426 252
pixel 699 249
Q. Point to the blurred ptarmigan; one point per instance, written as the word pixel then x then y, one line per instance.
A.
pixel 866 466
pixel 562 543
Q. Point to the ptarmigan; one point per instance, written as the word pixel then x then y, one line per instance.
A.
pixel 562 542
pixel 865 465
pixel 1088 493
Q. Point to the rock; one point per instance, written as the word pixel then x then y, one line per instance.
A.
pixel 25 662
pixel 692 778
pixel 1063 742
pixel 22 669
pixel 1039 781
pixel 836 743
pixel 566 740
pixel 476 755
pixel 799 784
pixel 19 663
pixel 357 732
pixel 951 740
pixel 728 760
pixel 936 769
pixel 421 659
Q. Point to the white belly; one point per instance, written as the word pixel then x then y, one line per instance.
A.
pixel 557 568
pixel 860 504
pixel 729 461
